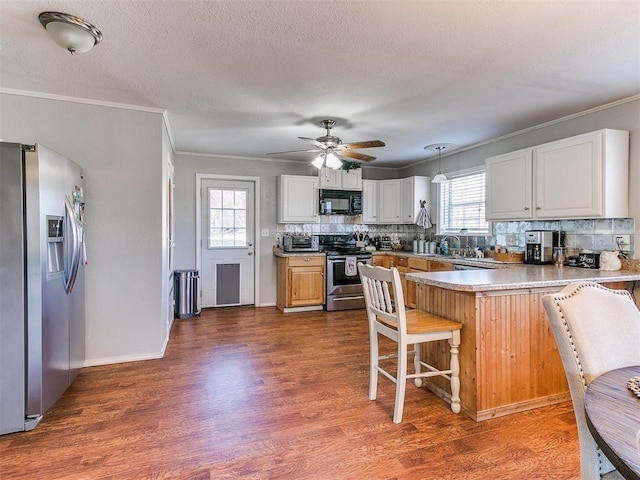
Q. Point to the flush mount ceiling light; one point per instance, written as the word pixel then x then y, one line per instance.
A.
pixel 70 32
pixel 327 158
pixel 440 177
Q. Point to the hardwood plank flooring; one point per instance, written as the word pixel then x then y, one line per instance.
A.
pixel 245 393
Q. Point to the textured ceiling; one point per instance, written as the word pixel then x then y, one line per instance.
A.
pixel 245 78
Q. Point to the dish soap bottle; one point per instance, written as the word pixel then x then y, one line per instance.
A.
pixel 444 248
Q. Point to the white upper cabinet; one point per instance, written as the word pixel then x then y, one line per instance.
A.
pixel 414 190
pixel 509 180
pixel 330 178
pixel 369 201
pixel 390 201
pixel 297 199
pixel 585 176
pixel 340 179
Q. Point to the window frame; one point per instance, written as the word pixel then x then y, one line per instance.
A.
pixel 223 209
pixel 440 230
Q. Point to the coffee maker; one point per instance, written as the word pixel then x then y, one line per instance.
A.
pixel 539 246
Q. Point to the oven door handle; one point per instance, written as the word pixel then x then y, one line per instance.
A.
pixel 353 297
pixel 364 260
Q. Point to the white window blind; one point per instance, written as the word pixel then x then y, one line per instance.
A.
pixel 462 204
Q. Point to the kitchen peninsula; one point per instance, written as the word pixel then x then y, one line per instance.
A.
pixel 508 357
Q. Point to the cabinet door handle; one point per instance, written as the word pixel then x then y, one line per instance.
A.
pixel 526 208
pixel 307 259
pixel 538 208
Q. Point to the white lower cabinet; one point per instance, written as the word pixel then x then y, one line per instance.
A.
pixel 297 199
pixel 585 176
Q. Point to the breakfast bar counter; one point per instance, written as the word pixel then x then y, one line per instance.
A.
pixel 509 361
pixel 518 277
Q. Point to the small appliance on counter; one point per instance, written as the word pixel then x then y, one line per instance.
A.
pixel 385 243
pixel 301 243
pixel 539 246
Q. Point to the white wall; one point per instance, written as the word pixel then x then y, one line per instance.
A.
pixel 625 116
pixel 121 152
pixel 186 167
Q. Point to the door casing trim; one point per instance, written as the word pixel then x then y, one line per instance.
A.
pixel 256 227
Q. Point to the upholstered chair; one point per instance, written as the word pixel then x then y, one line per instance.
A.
pixel 596 330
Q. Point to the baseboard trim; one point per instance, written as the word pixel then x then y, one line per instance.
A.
pixel 95 362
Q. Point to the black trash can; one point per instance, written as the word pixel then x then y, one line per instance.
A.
pixel 185 291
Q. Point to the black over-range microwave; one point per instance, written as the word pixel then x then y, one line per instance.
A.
pixel 340 202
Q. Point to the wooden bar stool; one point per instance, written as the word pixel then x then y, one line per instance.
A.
pixel 405 327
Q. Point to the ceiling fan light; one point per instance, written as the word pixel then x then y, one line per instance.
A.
pixel 439 178
pixel 318 162
pixel 333 161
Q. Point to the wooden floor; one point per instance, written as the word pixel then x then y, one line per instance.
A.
pixel 248 393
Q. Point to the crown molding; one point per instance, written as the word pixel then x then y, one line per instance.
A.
pixel 86 101
pixel 531 129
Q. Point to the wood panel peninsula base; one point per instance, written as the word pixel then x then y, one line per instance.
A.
pixel 509 361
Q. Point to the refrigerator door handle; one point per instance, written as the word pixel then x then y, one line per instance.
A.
pixel 70 235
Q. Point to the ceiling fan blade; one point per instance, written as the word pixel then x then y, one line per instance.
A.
pixel 358 156
pixel 295 151
pixel 367 144
pixel 315 142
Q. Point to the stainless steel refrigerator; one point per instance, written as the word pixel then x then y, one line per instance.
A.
pixel 42 259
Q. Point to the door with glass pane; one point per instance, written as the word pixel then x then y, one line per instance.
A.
pixel 227 243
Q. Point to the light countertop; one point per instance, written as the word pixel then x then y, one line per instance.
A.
pixel 518 277
pixel 278 252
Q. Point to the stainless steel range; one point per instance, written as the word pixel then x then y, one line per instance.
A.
pixel 344 290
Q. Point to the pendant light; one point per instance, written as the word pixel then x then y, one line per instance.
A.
pixel 72 33
pixel 440 177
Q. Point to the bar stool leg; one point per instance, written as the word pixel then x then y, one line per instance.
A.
pixel 455 372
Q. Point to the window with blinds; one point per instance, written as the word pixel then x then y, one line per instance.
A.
pixel 462 204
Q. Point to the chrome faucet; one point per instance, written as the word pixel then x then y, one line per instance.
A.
pixel 444 239
pixel 451 236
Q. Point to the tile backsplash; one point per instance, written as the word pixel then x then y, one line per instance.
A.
pixel 593 234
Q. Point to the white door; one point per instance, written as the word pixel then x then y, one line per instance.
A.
pixel 228 238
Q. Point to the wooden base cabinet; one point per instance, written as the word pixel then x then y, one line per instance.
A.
pixel 301 283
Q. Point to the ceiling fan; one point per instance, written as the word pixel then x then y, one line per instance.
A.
pixel 330 148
